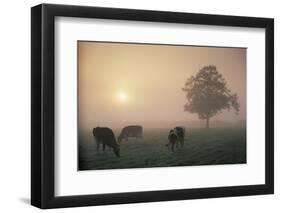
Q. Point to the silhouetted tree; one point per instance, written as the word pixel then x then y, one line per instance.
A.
pixel 207 94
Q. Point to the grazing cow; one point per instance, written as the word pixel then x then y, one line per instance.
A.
pixel 106 136
pixel 130 131
pixel 181 134
pixel 173 139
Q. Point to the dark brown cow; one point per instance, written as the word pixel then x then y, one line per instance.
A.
pixel 105 136
pixel 130 131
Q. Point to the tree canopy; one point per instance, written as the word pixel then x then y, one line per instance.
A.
pixel 207 94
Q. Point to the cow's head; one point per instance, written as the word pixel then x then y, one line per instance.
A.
pixel 119 139
pixel 95 131
pixel 117 150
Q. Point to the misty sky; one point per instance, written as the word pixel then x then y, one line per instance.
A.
pixel 134 83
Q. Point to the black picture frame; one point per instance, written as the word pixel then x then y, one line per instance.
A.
pixel 43 102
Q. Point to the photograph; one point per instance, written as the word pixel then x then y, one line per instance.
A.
pixel 160 105
pixel 139 105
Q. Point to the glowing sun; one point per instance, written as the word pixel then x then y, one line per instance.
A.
pixel 122 96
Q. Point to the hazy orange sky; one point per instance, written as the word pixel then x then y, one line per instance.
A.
pixel 121 82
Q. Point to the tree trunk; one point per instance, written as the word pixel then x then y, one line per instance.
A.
pixel 207 123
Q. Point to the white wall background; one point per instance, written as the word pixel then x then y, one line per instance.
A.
pixel 15 105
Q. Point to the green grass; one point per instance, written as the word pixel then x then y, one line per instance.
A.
pixel 202 147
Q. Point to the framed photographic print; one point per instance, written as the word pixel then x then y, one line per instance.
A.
pixel 138 106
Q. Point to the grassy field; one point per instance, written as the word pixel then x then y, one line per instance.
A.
pixel 202 147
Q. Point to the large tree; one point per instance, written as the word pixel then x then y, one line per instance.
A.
pixel 207 94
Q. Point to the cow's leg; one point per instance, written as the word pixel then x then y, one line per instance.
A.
pixel 98 146
pixel 173 146
pixel 103 146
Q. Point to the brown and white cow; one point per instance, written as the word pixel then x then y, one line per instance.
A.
pixel 175 137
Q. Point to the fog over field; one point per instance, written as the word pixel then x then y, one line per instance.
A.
pixel 135 83
pixel 201 147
